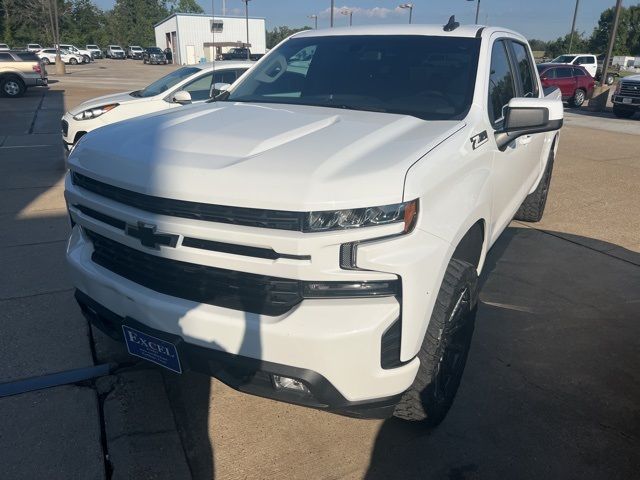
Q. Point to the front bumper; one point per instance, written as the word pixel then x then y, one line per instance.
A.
pixel 338 339
pixel 243 373
pixel 619 99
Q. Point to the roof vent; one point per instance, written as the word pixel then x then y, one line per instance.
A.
pixel 451 24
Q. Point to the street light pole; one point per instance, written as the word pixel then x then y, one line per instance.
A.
pixel 315 19
pixel 573 26
pixel 410 7
pixel 246 15
pixel 332 6
pixel 477 9
pixel 350 13
pixel 612 40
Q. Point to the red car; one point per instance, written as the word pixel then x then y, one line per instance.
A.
pixel 574 82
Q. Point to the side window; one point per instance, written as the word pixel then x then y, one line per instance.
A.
pixel 501 85
pixel 551 73
pixel 5 57
pixel 525 68
pixel 564 72
pixel 200 88
pixel 224 76
pixel 585 61
pixel 578 72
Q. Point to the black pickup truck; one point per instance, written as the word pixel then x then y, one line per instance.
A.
pixel 241 54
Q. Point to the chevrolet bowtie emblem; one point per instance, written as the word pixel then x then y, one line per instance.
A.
pixel 148 237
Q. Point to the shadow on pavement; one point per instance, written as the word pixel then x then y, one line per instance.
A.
pixel 552 384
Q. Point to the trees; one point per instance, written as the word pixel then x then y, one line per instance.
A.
pixel 185 6
pixel 278 34
pixel 131 21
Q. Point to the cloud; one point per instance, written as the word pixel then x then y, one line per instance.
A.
pixel 375 12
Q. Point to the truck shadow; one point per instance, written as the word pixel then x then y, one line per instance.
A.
pixel 552 379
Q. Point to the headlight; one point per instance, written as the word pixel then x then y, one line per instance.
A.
pixel 363 217
pixel 618 88
pixel 94 112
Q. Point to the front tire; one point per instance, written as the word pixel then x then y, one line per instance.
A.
pixel 623 112
pixel 578 98
pixel 445 348
pixel 46 61
pixel 85 59
pixel 532 208
pixel 73 61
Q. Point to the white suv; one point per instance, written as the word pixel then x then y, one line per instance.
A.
pixel 586 60
pixel 316 234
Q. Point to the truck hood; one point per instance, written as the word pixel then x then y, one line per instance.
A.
pixel 121 98
pixel 284 157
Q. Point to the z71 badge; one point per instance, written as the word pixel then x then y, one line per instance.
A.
pixel 479 139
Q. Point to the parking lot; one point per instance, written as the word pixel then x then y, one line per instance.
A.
pixel 551 388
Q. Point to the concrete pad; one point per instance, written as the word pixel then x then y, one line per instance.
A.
pixel 18 123
pixel 42 335
pixel 33 270
pixel 32 200
pixel 140 430
pixel 53 433
pixel 108 350
pixel 54 139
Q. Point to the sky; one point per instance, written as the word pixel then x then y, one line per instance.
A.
pixel 542 19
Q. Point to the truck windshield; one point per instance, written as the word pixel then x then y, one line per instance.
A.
pixel 166 82
pixel 427 77
pixel 563 59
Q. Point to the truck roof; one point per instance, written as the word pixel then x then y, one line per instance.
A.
pixel 468 31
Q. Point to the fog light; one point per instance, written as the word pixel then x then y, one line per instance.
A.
pixel 289 384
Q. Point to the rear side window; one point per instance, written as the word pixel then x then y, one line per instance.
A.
pixel 501 81
pixel 578 73
pixel 224 76
pixel 28 56
pixel 525 70
pixel 585 61
pixel 5 57
pixel 564 72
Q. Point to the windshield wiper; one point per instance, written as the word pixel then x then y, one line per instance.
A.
pixel 353 107
pixel 136 93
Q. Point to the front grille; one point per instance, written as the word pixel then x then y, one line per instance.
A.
pixel 65 128
pixel 251 217
pixel 247 292
pixel 630 89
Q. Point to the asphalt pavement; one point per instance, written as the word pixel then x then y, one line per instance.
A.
pixel 552 384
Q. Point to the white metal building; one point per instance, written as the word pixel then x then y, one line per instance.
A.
pixel 193 36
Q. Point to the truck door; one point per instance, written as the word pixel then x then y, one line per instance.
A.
pixel 516 168
pixel 589 63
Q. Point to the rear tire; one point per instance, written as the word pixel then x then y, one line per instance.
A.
pixel 578 98
pixel 623 112
pixel 12 86
pixel 532 208
pixel 610 79
pixel 445 348
pixel 73 61
pixel 46 61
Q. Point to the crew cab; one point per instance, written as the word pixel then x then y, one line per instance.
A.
pixel 115 51
pixel 95 51
pixel 134 52
pixel 315 233
pixel 586 60
pixel 186 85
pixel 241 53
pixel 626 97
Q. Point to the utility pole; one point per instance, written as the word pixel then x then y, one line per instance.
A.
pixel 246 15
pixel 573 26
pixel 315 20
pixel 332 6
pixel 224 7
pixel 612 41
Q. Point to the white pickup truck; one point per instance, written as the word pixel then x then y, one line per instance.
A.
pixel 315 235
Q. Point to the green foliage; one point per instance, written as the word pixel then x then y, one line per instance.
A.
pixel 185 6
pixel 538 45
pixel 628 36
pixel 131 21
pixel 278 34
pixel 561 45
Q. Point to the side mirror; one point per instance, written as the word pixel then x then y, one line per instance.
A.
pixel 182 97
pixel 526 116
pixel 221 87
